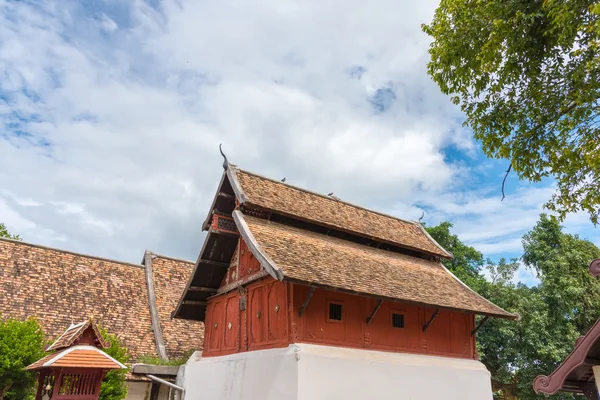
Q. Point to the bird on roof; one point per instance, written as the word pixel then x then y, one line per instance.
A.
pixel 283 180
pixel 333 196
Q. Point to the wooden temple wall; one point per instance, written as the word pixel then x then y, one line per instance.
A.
pixel 265 314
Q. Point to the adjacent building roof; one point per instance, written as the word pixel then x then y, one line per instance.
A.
pixel 59 287
pixel 268 194
pixel 315 259
pixel 78 357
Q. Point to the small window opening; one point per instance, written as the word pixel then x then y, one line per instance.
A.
pixel 398 320
pixel 335 312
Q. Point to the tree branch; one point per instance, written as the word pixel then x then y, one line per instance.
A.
pixel 504 180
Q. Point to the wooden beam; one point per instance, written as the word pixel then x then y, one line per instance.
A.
pixel 193 302
pixel 215 263
pixel 202 289
pixel 154 317
pixel 592 361
pixel 305 304
pixel 435 314
pixel 474 331
pixel 374 311
pixel 226 195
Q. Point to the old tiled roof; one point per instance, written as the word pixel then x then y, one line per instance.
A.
pixel 78 357
pixel 311 258
pixel 254 190
pixel 73 333
pixel 59 287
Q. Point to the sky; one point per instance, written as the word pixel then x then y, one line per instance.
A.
pixel 111 113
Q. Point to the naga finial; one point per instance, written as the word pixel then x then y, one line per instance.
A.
pixel 225 161
pixel 422 215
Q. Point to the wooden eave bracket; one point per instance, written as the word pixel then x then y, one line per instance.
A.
pixel 379 303
pixel 433 316
pixel 311 291
pixel 479 325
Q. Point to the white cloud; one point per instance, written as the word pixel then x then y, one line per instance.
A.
pixel 120 118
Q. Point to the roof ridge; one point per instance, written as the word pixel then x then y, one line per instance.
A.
pixel 39 246
pixel 170 258
pixel 324 196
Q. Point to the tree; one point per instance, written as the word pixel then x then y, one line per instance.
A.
pixel 553 314
pixel 114 386
pixel 527 75
pixel 4 233
pixel 467 262
pixel 21 344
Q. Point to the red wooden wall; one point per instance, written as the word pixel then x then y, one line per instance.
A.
pixel 258 314
pixel 448 335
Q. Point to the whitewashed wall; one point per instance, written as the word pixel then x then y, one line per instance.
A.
pixel 310 372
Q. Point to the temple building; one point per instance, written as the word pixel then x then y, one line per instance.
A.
pixel 305 296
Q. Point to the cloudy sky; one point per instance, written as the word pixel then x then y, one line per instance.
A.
pixel 111 113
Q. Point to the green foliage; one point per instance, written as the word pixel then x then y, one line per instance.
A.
pixel 21 344
pixel 553 314
pixel 154 360
pixel 467 262
pixel 5 234
pixel 527 75
pixel 114 386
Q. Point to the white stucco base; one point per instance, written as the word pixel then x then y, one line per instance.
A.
pixel 310 372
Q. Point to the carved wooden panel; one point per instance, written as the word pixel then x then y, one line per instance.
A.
pixel 257 317
pixel 248 264
pixel 277 306
pixel 217 325
pixel 231 326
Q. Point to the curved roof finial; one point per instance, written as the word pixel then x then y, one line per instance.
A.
pixel 225 161
pixel 422 215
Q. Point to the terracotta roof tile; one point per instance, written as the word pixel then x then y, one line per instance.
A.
pixel 313 258
pixel 170 278
pixel 289 200
pixel 60 287
pixel 78 357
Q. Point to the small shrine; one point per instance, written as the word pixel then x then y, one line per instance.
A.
pixel 75 369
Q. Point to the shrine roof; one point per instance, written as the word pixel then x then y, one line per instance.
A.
pixel 74 332
pixel 78 357
pixel 278 197
pixel 315 259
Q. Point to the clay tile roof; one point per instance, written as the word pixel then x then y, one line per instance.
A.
pixel 278 197
pixel 78 357
pixel 315 259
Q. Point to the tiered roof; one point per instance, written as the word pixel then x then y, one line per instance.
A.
pixel 77 350
pixel 311 239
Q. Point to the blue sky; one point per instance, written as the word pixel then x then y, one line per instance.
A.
pixel 111 113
